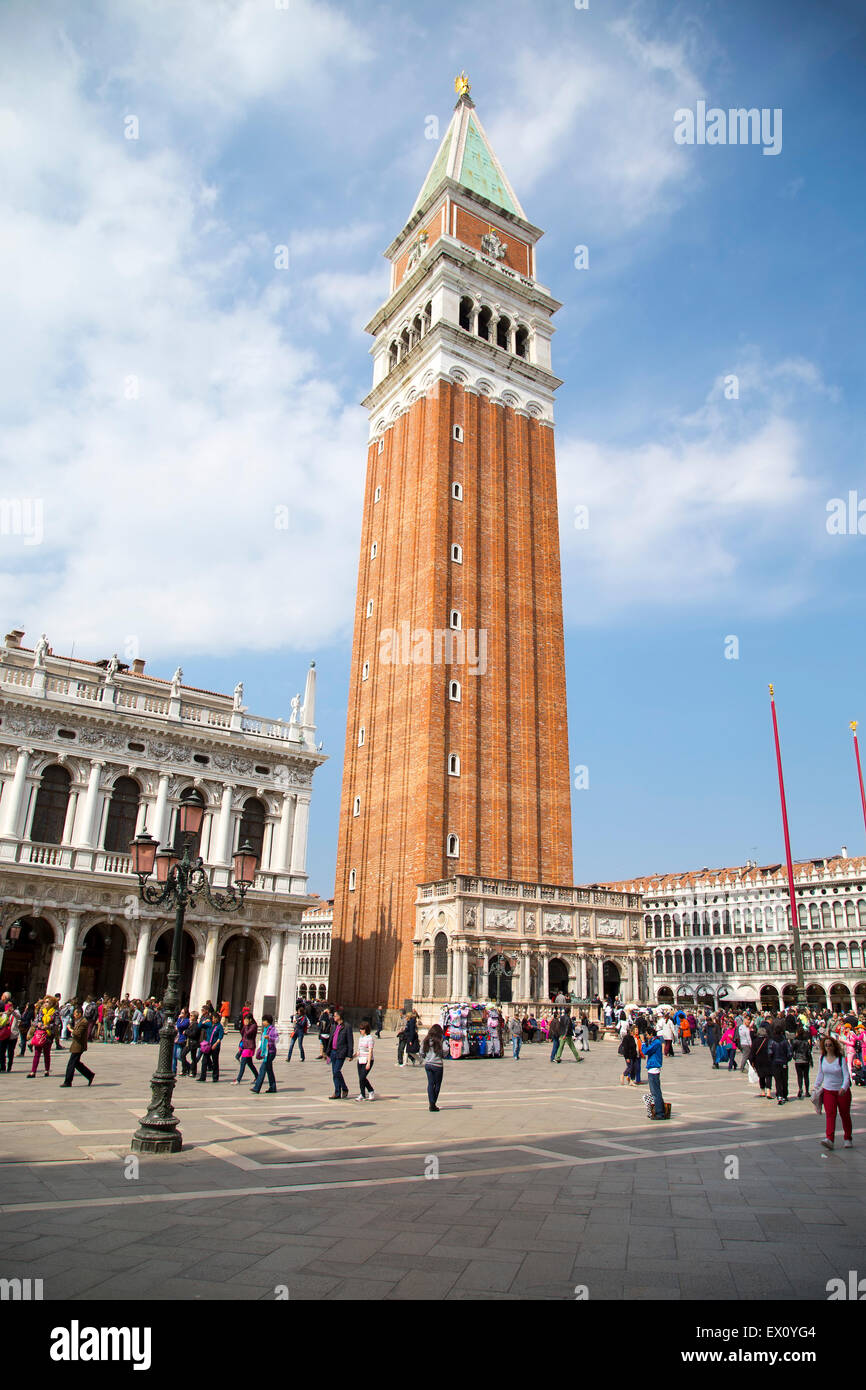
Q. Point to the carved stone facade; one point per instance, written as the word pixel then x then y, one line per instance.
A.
pixel 536 940
pixel 92 753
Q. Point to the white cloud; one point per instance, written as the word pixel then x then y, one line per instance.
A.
pixel 705 515
pixel 164 395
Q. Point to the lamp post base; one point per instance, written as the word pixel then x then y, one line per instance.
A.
pixel 158 1132
pixel 151 1142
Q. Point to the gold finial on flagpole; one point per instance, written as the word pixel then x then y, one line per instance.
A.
pixel 853 726
pixel 771 692
pixel 461 85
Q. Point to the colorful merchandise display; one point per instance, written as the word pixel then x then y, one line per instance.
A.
pixel 472 1030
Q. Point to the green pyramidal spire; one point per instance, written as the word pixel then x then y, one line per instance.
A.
pixel 466 156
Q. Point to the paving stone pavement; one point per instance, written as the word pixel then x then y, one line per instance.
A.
pixel 533 1181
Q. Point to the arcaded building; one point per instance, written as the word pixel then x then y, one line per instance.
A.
pixel 92 753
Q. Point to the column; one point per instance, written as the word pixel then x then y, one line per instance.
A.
pixel 141 968
pixel 484 982
pixel 281 861
pixel 299 843
pixel 71 809
pixel 541 983
pixel 222 849
pixel 524 975
pixel 449 975
pixel 464 971
pixel 13 800
pixel 275 961
pixel 599 965
pixel 416 973
pixel 159 828
pixel 85 831
pixel 69 960
pixel 209 981
pixel 288 977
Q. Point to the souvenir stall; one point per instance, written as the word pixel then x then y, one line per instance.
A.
pixel 472 1030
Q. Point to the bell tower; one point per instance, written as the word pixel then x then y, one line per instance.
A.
pixel 456 742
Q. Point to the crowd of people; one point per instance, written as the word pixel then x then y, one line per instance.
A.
pixel 761 1044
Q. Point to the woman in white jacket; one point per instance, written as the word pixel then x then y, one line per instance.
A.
pixel 835 1078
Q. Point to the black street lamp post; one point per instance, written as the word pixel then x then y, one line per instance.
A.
pixel 179 881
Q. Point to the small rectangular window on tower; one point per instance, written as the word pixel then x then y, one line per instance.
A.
pixel 381 448
pixel 377 494
pixel 457 492
pixel 374 550
pixel 458 433
pixel 370 609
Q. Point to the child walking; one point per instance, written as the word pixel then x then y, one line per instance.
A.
pixel 365 1063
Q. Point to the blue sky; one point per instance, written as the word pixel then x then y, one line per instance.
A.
pixel 167 388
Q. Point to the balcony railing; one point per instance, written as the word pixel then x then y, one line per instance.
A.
pixel 504 888
pixel 123 695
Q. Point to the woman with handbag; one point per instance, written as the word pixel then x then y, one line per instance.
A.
pixel 42 1036
pixel 759 1056
pixel 209 1047
pixel 833 1091
pixel 780 1054
pixel 247 1048
pixel 267 1053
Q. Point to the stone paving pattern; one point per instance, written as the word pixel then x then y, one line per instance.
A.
pixel 550 1176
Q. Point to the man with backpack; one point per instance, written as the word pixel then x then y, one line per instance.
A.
pixel 566 1037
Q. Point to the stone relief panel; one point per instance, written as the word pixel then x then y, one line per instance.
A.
pixel 611 927
pixel 500 919
pixel 585 925
pixel 558 924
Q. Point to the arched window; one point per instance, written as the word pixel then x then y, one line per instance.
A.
pixel 750 959
pixel 759 919
pixel 52 800
pixel 484 324
pixel 838 919
pixel 362 735
pixel 370 609
pixel 356 806
pixel 861 911
pixel 814 917
pixel 830 953
pixel 466 307
pixel 729 959
pixel 454 691
pixel 850 919
pixel 393 355
pixel 771 958
pixel 669 963
pixel 252 827
pixel 454 765
pixel 747 918
pixel 455 620
pixel 678 962
pixel 503 328
pixel 457 554
pixel 738 919
pixel 453 850
pixel 739 959
pixel 678 925
pixel 365 671
pixel 855 955
pixel 122 815
pixel 660 963
pixel 718 962
pixel 825 916
pixel 521 342
pixel 425 973
pixel 807 958
pixel 457 492
pixel 818 952
pixel 762 959
pixel 842 954
pixel 687 962
pixel 783 958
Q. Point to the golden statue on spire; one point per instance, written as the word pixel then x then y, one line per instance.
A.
pixel 461 85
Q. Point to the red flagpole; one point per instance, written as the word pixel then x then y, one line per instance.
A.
pixel 853 727
pixel 798 960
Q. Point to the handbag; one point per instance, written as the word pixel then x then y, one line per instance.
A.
pixel 204 1048
pixel 40 1037
pixel 752 1074
pixel 817 1097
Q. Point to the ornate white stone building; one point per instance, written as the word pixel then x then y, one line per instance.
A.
pixel 91 753
pixel 314 964
pixel 725 934
pixel 478 939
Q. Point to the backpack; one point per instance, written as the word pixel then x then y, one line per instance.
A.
pixel 90 1010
